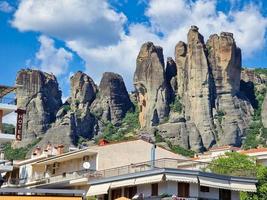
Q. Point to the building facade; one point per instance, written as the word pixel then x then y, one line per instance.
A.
pixel 131 169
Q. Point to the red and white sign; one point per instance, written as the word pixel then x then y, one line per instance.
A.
pixel 20 114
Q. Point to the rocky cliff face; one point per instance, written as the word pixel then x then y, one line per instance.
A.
pixel 38 93
pixel 73 119
pixel 150 85
pixel 200 99
pixel 235 112
pixel 264 112
pixel 113 101
pixel 213 110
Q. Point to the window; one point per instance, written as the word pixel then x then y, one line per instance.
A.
pixel 130 192
pixel 183 190
pixel 154 189
pixel 204 189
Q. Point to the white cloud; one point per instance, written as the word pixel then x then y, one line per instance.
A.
pixel 95 31
pixel 90 22
pixel 50 59
pixel 6 7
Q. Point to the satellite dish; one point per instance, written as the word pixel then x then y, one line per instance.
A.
pixel 86 165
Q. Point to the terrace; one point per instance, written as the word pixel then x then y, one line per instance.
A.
pixel 71 177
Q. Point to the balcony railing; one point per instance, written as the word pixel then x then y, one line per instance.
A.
pixel 133 168
pixel 8 100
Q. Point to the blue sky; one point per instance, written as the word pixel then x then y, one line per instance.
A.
pixel 95 36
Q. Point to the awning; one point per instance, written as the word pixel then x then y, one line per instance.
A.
pixel 214 183
pixel 98 189
pixel 242 186
pixel 123 183
pixel 148 179
pixel 181 178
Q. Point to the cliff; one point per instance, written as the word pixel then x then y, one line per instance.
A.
pixel 199 99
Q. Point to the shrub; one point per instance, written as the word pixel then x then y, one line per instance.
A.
pixel 176 105
pixel 19 153
pixel 8 128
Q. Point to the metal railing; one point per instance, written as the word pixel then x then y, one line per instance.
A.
pixel 8 100
pixel 133 168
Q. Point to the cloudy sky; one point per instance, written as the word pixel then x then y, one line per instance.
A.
pixel 64 36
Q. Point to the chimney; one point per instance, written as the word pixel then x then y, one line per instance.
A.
pixel 102 142
pixel 37 152
pixel 60 149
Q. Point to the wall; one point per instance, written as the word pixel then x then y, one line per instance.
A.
pixel 126 153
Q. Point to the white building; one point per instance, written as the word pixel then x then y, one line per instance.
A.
pixel 125 169
pixel 6 107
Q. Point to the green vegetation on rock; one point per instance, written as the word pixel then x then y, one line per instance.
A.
pixel 256 134
pixel 176 105
pixel 18 153
pixel 129 125
pixel 180 150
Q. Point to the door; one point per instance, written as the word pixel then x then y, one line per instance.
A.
pixel 130 192
pixel 224 194
pixel 183 189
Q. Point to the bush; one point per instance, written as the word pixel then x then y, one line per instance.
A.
pixel 66 108
pixel 176 105
pixel 19 153
pixel 180 150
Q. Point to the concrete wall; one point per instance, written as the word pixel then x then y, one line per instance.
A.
pixel 126 153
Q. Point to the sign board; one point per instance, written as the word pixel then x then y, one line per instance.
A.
pixel 20 114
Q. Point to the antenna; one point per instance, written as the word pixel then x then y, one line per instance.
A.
pixel 86 165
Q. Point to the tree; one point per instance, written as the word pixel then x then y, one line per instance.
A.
pixel 240 165
pixel 232 163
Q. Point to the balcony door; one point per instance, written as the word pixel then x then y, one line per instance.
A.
pixel 224 194
pixel 183 189
pixel 116 193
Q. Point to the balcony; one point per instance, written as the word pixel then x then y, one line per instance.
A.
pixel 47 178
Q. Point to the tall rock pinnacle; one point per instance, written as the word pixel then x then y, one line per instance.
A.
pixel 39 94
pixel 150 85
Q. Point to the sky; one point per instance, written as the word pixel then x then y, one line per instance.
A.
pixel 95 36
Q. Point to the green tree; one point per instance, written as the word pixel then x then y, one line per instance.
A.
pixel 232 163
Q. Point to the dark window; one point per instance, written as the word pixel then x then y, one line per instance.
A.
pixel 116 193
pixel 154 189
pixel 183 190
pixel 130 192
pixel 204 189
pixel 224 194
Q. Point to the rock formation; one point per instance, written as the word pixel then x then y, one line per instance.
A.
pixel 232 114
pixel 113 100
pixel 150 85
pixel 264 112
pixel 74 120
pixel 207 84
pixel 38 93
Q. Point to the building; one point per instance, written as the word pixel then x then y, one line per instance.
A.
pixel 7 105
pixel 259 154
pixel 125 169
